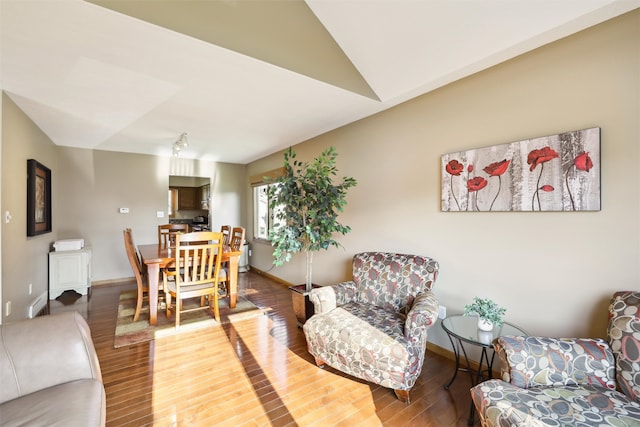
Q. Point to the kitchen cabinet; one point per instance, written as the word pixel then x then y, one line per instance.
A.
pixel 69 270
pixel 188 198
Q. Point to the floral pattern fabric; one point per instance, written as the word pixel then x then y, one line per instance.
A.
pixel 502 404
pixel 391 281
pixel 375 327
pixel 624 336
pixel 536 361
pixel 568 382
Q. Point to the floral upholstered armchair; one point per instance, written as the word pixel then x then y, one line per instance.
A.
pixel 375 326
pixel 568 382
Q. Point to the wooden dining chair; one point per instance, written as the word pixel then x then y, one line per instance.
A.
pixel 167 233
pixel 226 232
pixel 237 238
pixel 235 244
pixel 138 270
pixel 198 254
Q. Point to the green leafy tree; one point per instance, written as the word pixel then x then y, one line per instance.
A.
pixel 306 203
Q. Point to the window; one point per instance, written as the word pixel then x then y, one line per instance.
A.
pixel 263 217
pixel 261 212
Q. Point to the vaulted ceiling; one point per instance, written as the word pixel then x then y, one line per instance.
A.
pixel 246 78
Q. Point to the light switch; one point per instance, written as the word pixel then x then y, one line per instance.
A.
pixel 124 210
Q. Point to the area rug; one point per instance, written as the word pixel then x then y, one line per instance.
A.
pixel 129 332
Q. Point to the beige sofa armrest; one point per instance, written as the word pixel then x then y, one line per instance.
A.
pixel 326 298
pixel 43 352
pixel 421 316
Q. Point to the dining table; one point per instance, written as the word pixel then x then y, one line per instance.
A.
pixel 156 257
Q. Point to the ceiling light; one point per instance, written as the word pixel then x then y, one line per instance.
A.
pixel 181 143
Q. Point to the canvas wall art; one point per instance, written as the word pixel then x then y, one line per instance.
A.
pixel 551 173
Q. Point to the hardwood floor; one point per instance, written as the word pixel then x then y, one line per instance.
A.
pixel 255 372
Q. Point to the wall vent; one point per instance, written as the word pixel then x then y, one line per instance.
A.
pixel 37 305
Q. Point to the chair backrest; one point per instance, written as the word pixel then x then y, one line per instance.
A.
pixel 199 254
pixel 624 324
pixel 132 254
pixel 237 238
pixel 391 280
pixel 226 232
pixel 167 233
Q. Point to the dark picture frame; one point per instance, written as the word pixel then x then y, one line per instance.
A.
pixel 38 198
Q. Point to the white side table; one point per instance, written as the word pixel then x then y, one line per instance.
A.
pixel 69 270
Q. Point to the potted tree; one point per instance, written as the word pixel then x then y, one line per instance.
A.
pixel 306 203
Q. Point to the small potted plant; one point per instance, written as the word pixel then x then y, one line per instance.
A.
pixel 489 313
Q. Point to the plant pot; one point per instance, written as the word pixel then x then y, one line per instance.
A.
pixel 485 325
pixel 485 337
pixel 302 307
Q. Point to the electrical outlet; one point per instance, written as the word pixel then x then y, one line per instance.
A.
pixel 7 310
pixel 159 214
pixel 442 311
pixel 124 210
pixel 249 252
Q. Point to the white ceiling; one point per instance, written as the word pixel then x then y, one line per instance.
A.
pixel 246 78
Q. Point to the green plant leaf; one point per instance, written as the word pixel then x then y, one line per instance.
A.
pixel 307 202
pixel 486 309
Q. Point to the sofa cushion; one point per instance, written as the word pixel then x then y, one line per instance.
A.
pixel 78 403
pixel 503 404
pixel 39 353
pixel 542 361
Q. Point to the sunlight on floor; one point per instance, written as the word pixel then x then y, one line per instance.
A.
pixel 215 377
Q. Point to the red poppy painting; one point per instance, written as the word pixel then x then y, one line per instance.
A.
pixel 552 173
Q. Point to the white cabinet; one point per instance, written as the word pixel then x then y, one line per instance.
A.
pixel 69 270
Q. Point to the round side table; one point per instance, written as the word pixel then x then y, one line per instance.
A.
pixel 464 329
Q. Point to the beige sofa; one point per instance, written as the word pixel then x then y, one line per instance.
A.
pixel 49 373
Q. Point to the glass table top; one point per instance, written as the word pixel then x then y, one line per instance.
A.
pixel 466 329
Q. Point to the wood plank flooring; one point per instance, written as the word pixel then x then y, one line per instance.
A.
pixel 255 372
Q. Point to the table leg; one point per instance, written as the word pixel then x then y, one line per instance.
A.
pixel 456 353
pixel 233 281
pixel 153 275
pixel 475 376
pixel 479 377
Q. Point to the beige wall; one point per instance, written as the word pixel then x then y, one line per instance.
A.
pixel 24 259
pixel 554 272
pixel 94 184
pixel 89 187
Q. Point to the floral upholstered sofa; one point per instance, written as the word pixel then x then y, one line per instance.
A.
pixel 375 326
pixel 568 382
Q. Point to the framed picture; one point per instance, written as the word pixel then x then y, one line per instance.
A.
pixel 38 198
pixel 551 173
